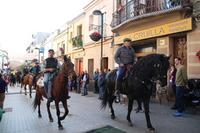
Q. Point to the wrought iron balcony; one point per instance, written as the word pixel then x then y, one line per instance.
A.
pixel 77 41
pixel 140 8
pixel 96 28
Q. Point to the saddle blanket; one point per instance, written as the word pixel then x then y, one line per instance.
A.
pixel 40 82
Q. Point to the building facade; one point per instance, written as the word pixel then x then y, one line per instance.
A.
pixel 92 58
pixel 159 26
pixel 35 49
pixel 75 41
pixel 60 41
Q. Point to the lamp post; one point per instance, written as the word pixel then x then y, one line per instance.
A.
pixel 98 12
pixel 38 54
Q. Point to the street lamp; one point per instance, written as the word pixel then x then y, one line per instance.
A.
pixel 38 54
pixel 98 12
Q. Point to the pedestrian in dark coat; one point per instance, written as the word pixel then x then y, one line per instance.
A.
pixel 2 91
pixel 95 78
pixel 85 83
pixel 78 82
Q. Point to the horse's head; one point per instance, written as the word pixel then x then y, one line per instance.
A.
pixel 67 66
pixel 160 69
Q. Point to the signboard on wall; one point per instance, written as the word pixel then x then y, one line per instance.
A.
pixel 170 28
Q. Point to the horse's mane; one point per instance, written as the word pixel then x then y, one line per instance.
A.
pixel 144 66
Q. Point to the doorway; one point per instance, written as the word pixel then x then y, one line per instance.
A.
pixel 180 49
pixel 105 63
pixel 90 67
pixel 79 65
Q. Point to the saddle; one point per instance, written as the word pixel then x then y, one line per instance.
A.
pixel 40 82
pixel 123 90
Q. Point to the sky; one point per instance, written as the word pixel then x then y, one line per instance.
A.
pixel 19 19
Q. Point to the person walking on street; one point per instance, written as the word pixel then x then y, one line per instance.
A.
pixel 78 81
pixel 95 78
pixel 172 83
pixel 181 85
pixel 85 83
pixel 2 91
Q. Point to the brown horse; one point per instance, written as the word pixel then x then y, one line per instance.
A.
pixel 27 80
pixel 59 92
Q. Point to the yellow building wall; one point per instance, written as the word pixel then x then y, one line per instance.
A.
pixel 72 28
pixel 58 40
pixel 193 45
pixel 94 52
pixel 106 7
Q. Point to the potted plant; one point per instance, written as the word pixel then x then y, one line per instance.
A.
pixel 95 36
pixel 198 54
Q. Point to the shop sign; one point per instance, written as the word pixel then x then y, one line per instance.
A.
pixel 175 27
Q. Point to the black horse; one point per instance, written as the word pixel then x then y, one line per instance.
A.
pixel 138 83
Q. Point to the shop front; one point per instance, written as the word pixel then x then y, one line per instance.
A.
pixel 169 39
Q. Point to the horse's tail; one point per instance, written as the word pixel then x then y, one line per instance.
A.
pixel 105 99
pixel 36 101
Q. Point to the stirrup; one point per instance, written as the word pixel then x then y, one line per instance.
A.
pixel 68 97
pixel 116 93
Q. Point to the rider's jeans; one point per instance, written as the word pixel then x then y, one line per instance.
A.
pixel 180 98
pixel 48 84
pixel 121 72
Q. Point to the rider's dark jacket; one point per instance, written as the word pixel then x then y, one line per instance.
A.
pixel 124 55
pixel 51 63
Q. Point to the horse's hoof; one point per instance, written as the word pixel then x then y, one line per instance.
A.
pixel 51 120
pixel 39 116
pixel 152 130
pixel 130 124
pixel 60 127
pixel 112 117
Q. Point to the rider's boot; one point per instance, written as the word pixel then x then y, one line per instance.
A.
pixel 118 86
pixel 68 97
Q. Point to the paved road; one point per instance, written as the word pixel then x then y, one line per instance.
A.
pixel 86 115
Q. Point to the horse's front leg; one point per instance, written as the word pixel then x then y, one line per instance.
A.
pixel 64 102
pixel 130 107
pixel 25 90
pixel 146 110
pixel 48 110
pixel 110 102
pixel 139 108
pixel 39 112
pixel 30 90
pixel 58 115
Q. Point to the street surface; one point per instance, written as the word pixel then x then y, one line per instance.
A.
pixel 85 114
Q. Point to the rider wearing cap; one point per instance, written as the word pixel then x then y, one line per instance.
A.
pixel 51 66
pixel 124 56
pixel 35 71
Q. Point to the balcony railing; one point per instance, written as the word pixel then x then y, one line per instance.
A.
pixel 96 28
pixel 77 41
pixel 138 8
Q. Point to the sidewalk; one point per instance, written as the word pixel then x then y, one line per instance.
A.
pixel 85 114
